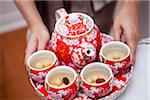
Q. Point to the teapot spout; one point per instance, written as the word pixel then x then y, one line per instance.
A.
pixel 83 54
pixel 89 52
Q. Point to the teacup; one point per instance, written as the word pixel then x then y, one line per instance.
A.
pixel 39 63
pixel 97 80
pixel 60 83
pixel 117 55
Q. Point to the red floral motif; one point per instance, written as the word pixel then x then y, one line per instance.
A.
pixel 77 28
pixel 97 91
pixel 39 75
pixel 63 45
pixel 119 67
pixel 62 51
pixel 65 93
pixel 122 80
pixel 83 54
pixel 98 40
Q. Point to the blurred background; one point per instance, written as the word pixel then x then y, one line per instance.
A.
pixel 13 77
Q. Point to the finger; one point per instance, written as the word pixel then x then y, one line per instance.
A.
pixel 132 46
pixel 133 58
pixel 118 32
pixel 42 43
pixel 31 47
pixel 133 54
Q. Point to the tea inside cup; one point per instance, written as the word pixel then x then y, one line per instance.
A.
pixel 96 74
pixel 61 77
pixel 41 60
pixel 115 51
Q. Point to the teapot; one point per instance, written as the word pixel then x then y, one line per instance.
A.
pixel 76 39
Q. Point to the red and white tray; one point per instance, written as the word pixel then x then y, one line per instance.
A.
pixel 120 82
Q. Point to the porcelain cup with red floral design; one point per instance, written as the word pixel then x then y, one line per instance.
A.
pixel 96 80
pixel 116 55
pixel 60 83
pixel 39 63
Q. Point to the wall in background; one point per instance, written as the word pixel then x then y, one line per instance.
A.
pixel 10 17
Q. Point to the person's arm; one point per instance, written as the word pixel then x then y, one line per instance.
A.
pixel 39 33
pixel 126 24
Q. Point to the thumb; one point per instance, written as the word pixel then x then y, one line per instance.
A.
pixel 42 43
pixel 133 58
pixel 31 47
pixel 133 47
pixel 133 53
pixel 43 39
pixel 118 32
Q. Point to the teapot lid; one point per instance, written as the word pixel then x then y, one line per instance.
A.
pixel 74 25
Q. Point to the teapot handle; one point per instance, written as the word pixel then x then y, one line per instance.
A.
pixel 60 13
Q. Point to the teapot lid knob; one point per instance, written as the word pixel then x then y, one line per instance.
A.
pixel 73 18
